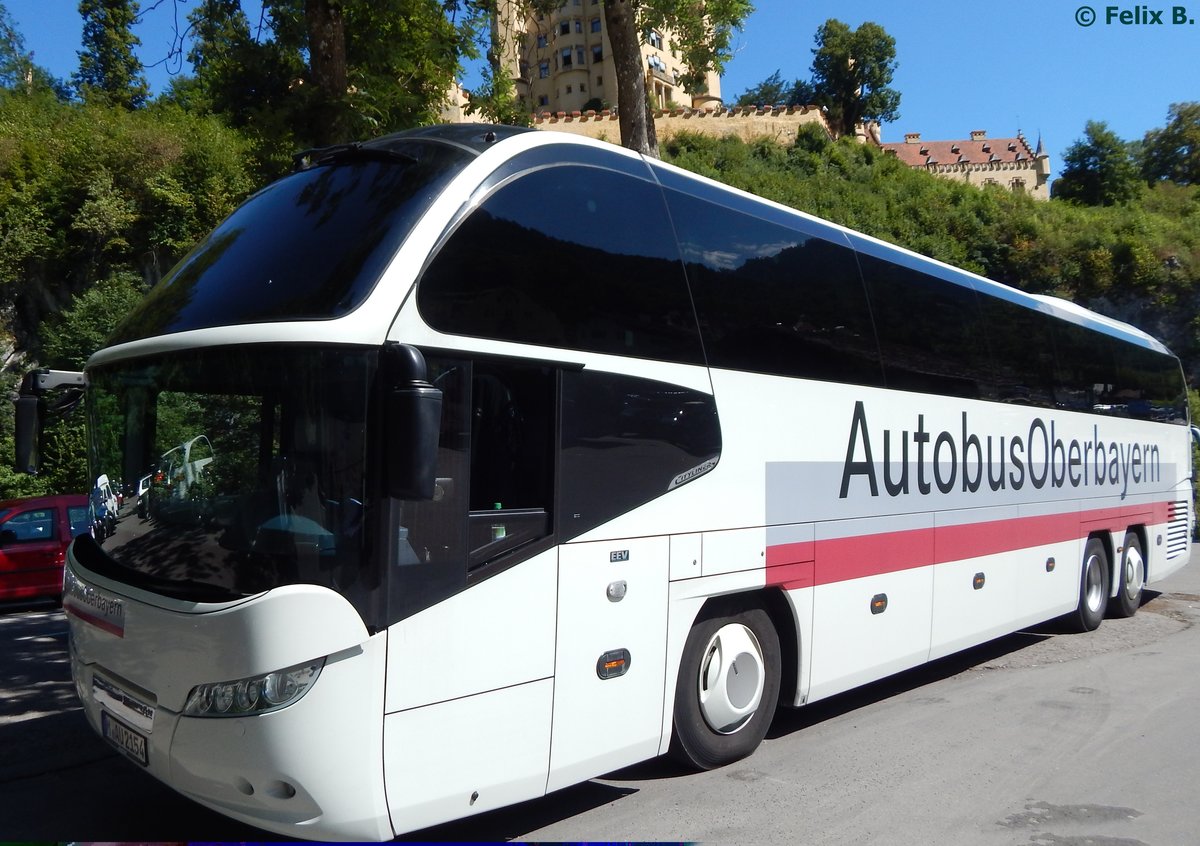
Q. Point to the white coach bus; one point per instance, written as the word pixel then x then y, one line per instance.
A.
pixel 533 458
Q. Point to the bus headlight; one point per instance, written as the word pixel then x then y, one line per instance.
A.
pixel 254 695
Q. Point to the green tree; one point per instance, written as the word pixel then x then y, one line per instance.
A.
pixel 773 91
pixel 69 339
pixel 109 71
pixel 1172 153
pixel 237 75
pixel 496 99
pixel 851 74
pixel 246 80
pixel 89 190
pixel 18 72
pixel 323 71
pixel 1098 169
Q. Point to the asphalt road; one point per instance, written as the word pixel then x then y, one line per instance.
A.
pixel 1040 737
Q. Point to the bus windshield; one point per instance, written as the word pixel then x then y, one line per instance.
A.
pixel 311 246
pixel 256 464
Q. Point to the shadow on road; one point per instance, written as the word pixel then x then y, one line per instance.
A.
pixel 514 821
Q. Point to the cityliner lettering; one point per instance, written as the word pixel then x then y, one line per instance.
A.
pixel 921 461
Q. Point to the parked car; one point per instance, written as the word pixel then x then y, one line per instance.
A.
pixel 143 496
pixel 104 503
pixel 34 536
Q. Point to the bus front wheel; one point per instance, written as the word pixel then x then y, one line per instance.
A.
pixel 1093 587
pixel 1133 577
pixel 727 689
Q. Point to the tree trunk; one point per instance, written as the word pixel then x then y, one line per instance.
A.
pixel 637 122
pixel 327 62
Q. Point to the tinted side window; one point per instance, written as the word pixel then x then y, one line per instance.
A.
pixel 495 486
pixel 1084 368
pixel 772 299
pixel 1022 344
pixel 1148 384
pixel 570 256
pixel 626 441
pixel 80 520
pixel 28 527
pixel 930 331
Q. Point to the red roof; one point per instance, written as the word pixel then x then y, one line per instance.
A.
pixel 981 151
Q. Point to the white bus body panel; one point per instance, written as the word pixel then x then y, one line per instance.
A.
pixel 272 770
pixel 469 696
pixel 612 596
pixel 851 646
pixel 495 634
pixel 468 755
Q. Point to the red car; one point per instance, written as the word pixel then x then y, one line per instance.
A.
pixel 34 535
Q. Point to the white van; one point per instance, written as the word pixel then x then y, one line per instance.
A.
pixel 104 498
pixel 143 496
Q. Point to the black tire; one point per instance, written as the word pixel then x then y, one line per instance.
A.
pixel 1093 588
pixel 1132 575
pixel 703 697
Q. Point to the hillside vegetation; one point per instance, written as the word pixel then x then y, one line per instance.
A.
pixel 97 203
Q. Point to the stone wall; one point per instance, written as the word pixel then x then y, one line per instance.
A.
pixel 750 123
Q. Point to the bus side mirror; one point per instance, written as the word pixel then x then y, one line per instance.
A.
pixel 29 416
pixel 412 426
pixel 31 412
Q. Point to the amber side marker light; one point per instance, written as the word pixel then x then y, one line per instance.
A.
pixel 879 603
pixel 613 663
pixel 978 581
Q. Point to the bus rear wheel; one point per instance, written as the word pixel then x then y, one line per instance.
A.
pixel 1133 578
pixel 727 689
pixel 1093 588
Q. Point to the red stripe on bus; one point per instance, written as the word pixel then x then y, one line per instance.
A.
pixel 806 564
pixel 98 622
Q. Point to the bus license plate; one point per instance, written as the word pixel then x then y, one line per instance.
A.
pixel 124 738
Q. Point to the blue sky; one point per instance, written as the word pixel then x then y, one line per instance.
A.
pixel 1023 64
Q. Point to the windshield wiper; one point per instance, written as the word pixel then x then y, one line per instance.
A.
pixel 353 151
